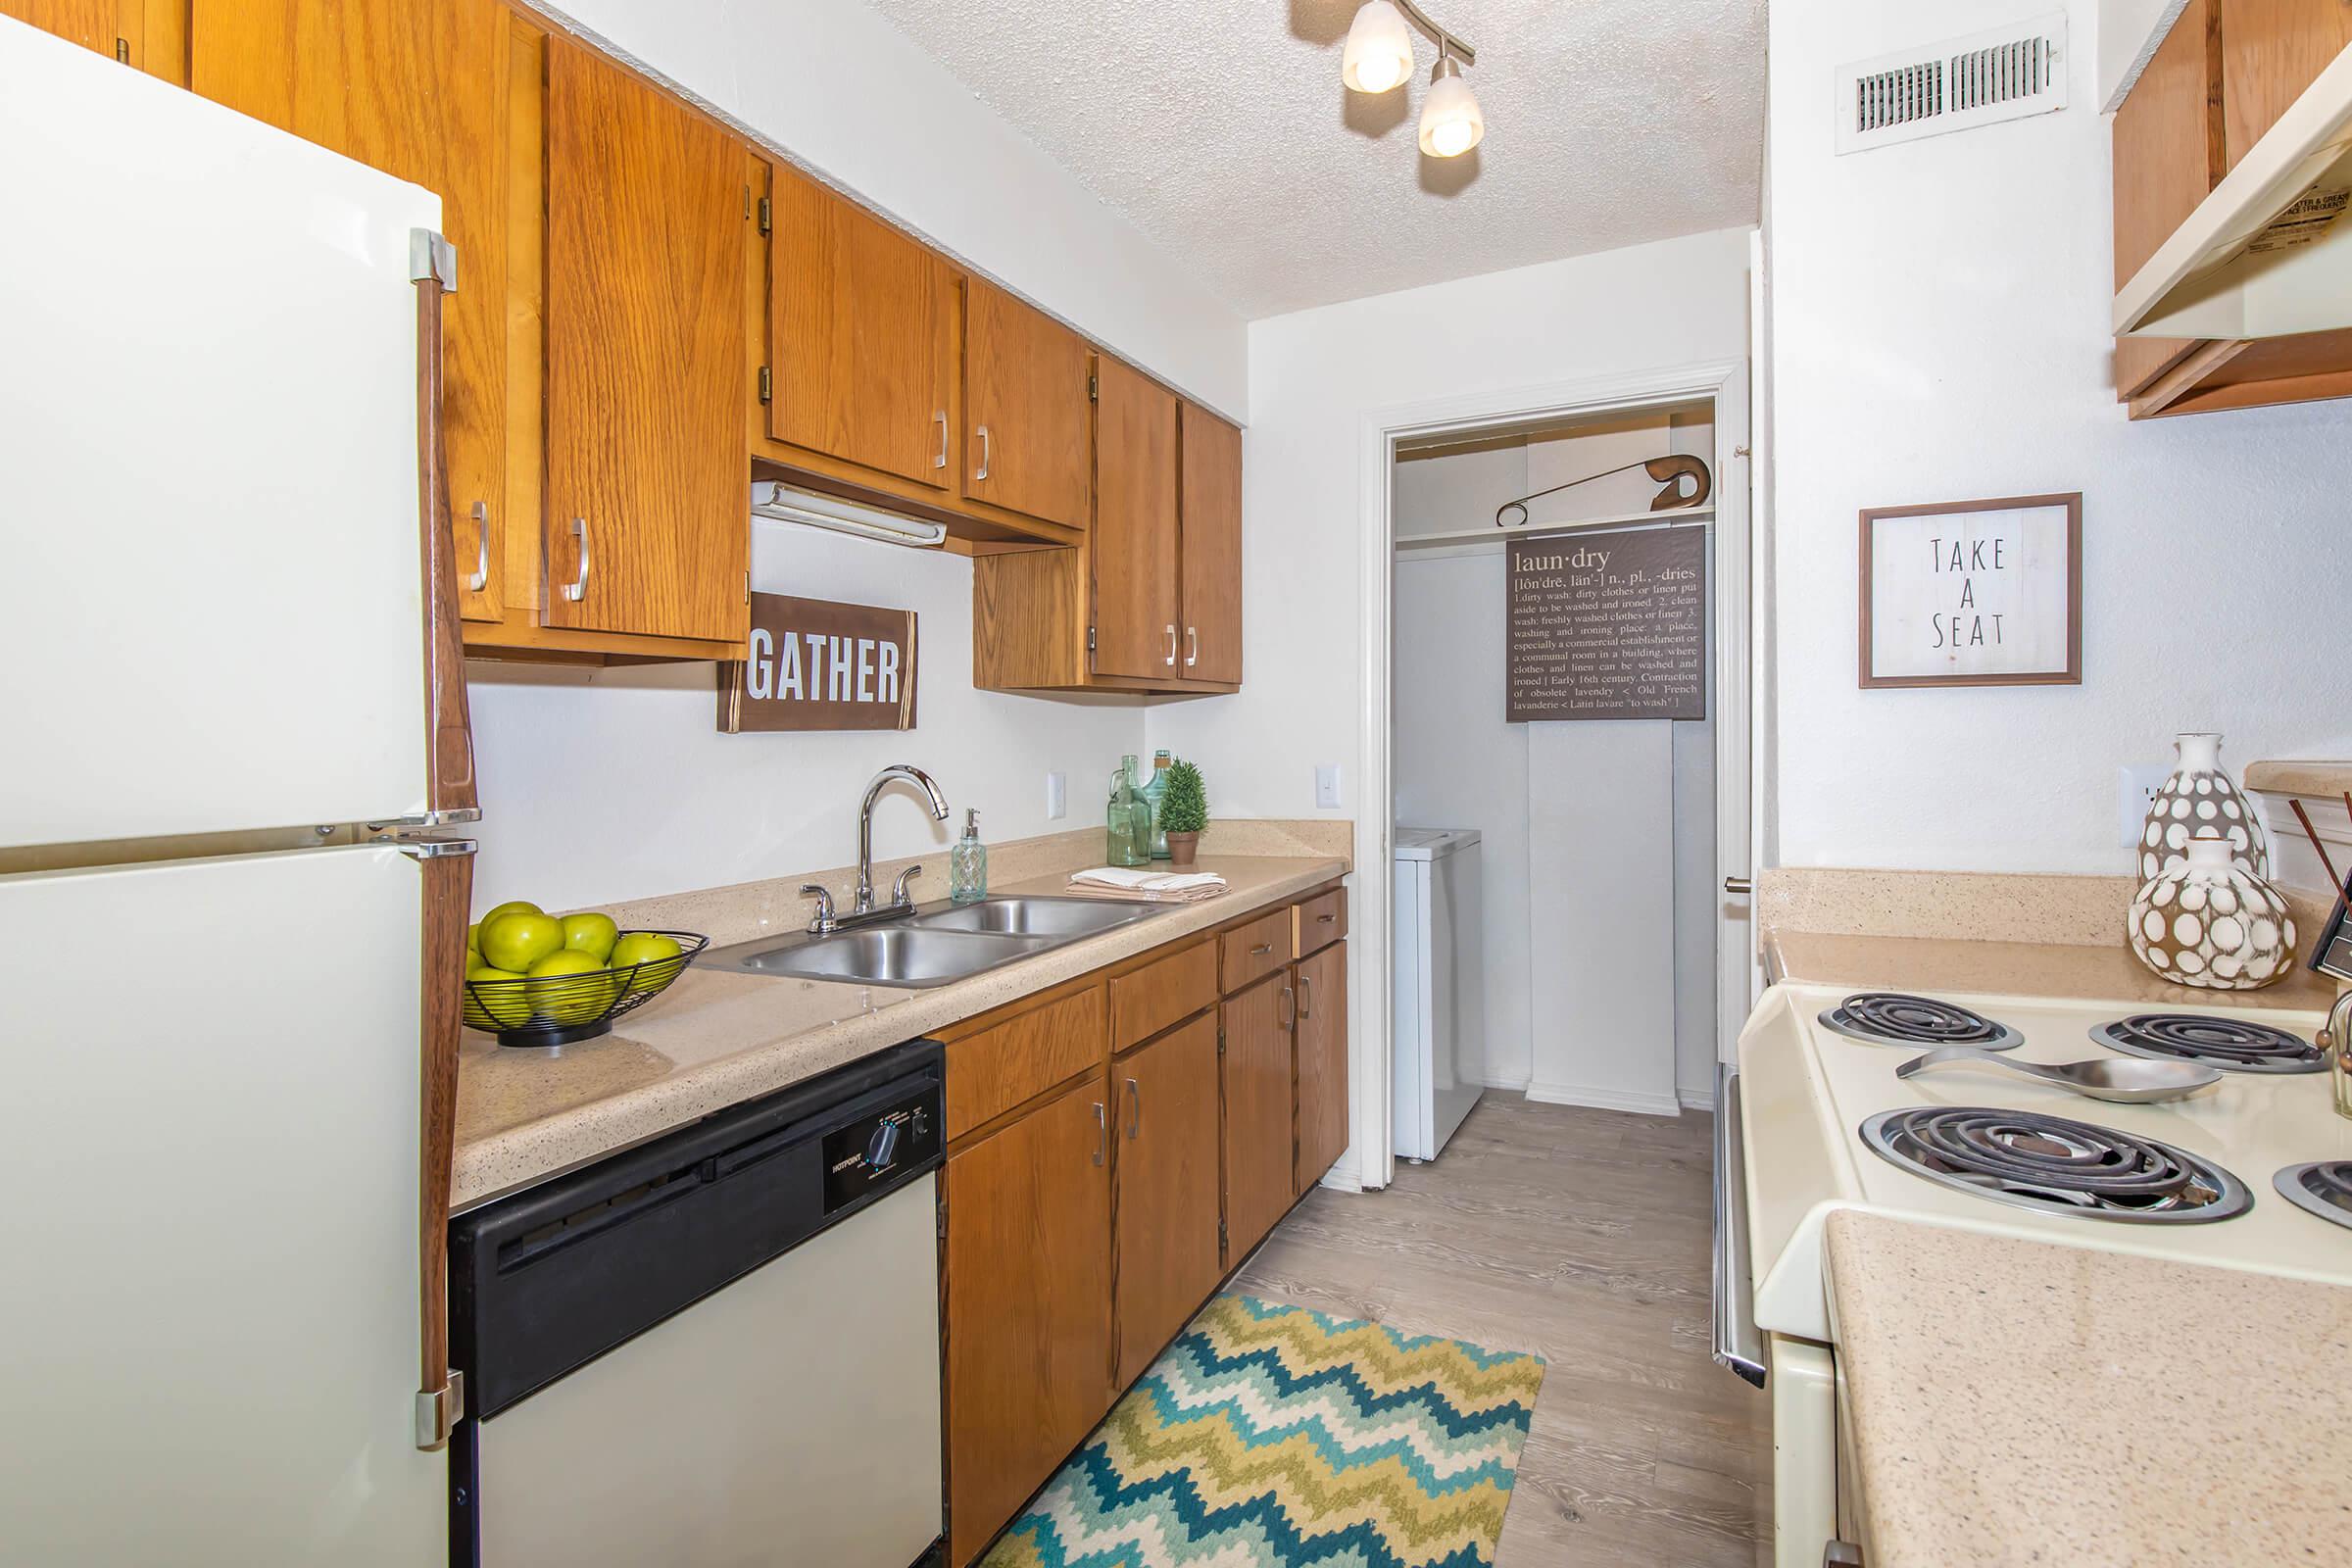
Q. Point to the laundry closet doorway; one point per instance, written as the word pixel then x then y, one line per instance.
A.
pixel 1610 957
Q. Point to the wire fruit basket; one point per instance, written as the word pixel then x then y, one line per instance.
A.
pixel 562 1010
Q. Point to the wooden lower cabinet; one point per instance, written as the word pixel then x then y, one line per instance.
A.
pixel 1027 1257
pixel 1168 1258
pixel 1259 1161
pixel 1321 982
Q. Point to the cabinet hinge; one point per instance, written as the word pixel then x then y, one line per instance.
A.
pixel 768 214
pixel 1220 1040
pixel 122 50
pixel 1090 639
pixel 746 585
pixel 943 1219
pixel 1221 1237
pixel 1094 387
pixel 767 383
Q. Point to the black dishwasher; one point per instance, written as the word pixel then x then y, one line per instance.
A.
pixel 720 1347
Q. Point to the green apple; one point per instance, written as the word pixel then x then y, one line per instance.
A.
pixel 642 947
pixel 518 941
pixel 478 970
pixel 592 934
pixel 504 1007
pixel 513 906
pixel 568 987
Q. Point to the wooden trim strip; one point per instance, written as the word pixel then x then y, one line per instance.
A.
pixel 448 737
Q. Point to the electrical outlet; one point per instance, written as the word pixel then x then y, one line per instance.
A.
pixel 1057 796
pixel 1327 786
pixel 2137 789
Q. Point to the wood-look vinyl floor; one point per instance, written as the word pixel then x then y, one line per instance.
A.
pixel 1584 1236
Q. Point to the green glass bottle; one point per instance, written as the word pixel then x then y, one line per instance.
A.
pixel 1128 839
pixel 967 863
pixel 1153 794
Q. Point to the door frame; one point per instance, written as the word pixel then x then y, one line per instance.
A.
pixel 1726 383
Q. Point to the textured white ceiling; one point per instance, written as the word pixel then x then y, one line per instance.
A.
pixel 1220 129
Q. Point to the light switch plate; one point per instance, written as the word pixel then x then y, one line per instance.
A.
pixel 2135 792
pixel 1327 786
pixel 1057 796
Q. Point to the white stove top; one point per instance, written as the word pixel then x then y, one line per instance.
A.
pixel 1805 1091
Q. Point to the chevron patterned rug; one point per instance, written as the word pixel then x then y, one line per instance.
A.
pixel 1272 1436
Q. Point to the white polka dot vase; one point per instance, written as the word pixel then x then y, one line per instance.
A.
pixel 2205 922
pixel 2198 800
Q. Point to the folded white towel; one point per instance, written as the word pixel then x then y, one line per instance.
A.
pixel 1135 881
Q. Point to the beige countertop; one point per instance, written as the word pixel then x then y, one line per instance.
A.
pixel 2016 1402
pixel 2013 968
pixel 718 1038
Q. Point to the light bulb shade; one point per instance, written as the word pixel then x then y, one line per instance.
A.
pixel 1380 49
pixel 1450 122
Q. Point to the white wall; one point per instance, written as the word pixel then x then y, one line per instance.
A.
pixel 853 99
pixel 614 784
pixel 1940 316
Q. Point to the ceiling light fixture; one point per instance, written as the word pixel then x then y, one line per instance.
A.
pixel 1380 56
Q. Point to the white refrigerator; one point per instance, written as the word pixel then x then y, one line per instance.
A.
pixel 1441 987
pixel 233 710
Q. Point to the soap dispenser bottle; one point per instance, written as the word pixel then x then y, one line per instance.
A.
pixel 967 863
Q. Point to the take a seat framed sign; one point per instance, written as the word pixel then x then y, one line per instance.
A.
pixel 1973 593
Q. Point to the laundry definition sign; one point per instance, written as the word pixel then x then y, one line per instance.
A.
pixel 1980 593
pixel 1607 624
pixel 815 665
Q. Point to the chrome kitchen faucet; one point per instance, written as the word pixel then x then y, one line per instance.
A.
pixel 864 912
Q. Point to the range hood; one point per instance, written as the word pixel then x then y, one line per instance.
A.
pixel 2269 253
pixel 781 503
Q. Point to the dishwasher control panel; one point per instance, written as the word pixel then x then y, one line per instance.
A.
pixel 875 1148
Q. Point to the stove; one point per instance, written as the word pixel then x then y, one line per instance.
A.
pixel 2057 1165
pixel 2234 1045
pixel 2323 1187
pixel 1893 1018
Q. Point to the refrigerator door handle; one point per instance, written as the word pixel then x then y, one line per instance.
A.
pixel 447 865
pixel 449 788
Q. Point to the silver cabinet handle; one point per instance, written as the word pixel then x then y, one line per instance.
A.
pixel 482 549
pixel 1737 1343
pixel 1171 648
pixel 941 460
pixel 1135 1108
pixel 1101 1133
pixel 577 589
pixel 1193 641
pixel 983 474
pixel 1262 949
pixel 1290 1007
pixel 1306 993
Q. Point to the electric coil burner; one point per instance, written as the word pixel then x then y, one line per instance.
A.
pixel 1892 1018
pixel 2322 1188
pixel 2056 1165
pixel 2234 1045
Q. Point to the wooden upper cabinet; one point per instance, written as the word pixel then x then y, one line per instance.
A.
pixel 1212 508
pixel 418 91
pixel 2168 157
pixel 1259 1155
pixel 1133 548
pixel 648 474
pixel 862 329
pixel 1026 411
pixel 1027 1255
pixel 110 27
pixel 2270 50
pixel 1166 1097
pixel 1322 1031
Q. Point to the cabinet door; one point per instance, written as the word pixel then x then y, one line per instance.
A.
pixel 1322 982
pixel 1027 1306
pixel 1258 1163
pixel 110 27
pixel 1213 548
pixel 648 474
pixel 1134 541
pixel 2271 51
pixel 862 347
pixel 1024 383
pixel 419 92
pixel 1166 1096
pixel 2168 157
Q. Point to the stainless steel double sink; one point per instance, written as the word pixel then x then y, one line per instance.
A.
pixel 934 945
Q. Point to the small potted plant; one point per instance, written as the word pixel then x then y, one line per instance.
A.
pixel 1183 812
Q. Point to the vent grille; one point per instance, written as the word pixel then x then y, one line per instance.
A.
pixel 1954 85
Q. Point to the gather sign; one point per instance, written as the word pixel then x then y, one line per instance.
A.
pixel 815 665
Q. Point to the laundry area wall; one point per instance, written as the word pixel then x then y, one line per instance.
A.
pixel 1598 835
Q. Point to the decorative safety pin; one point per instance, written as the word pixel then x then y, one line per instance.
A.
pixel 1670 472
